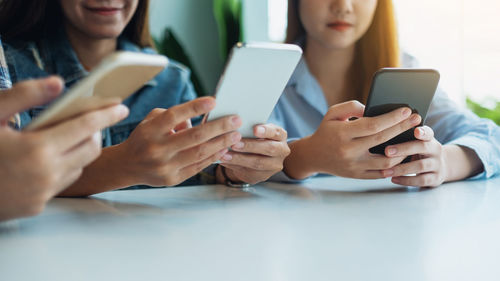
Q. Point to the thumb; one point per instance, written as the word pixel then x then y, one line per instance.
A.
pixel 25 95
pixel 345 111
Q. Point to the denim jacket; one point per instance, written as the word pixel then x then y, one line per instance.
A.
pixel 54 55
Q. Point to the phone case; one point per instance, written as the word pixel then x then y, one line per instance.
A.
pixel 117 77
pixel 253 80
pixel 393 88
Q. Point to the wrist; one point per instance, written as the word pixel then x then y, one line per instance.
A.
pixel 300 163
pixel 125 171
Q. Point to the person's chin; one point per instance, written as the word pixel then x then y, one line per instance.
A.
pixel 106 33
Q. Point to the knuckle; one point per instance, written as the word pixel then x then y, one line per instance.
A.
pixel 379 138
pixel 273 150
pixel 227 125
pixel 227 141
pixel 258 164
pixel 422 165
pixel 169 117
pixel 284 134
pixel 286 151
pixel 372 126
pixel 196 135
pixel 201 152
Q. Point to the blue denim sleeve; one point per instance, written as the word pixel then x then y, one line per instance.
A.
pixel 458 126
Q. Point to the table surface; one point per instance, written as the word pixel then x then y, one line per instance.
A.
pixel 324 229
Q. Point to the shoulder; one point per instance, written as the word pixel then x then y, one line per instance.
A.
pixel 409 61
pixel 174 68
pixel 21 60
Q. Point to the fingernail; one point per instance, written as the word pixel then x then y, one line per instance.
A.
pixel 392 151
pixel 388 173
pixel 122 111
pixel 239 145
pixel 227 157
pixel 415 119
pixel 260 130
pixel 406 112
pixel 236 137
pixel 421 132
pixel 208 105
pixel 236 120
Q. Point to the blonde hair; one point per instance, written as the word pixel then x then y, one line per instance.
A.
pixel 378 48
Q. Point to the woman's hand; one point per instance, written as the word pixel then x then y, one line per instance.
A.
pixel 341 147
pixel 35 166
pixel 256 160
pixel 164 150
pixel 432 163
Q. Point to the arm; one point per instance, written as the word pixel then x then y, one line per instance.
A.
pixel 161 151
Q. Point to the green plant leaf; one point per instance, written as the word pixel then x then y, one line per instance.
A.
pixel 171 47
pixel 483 112
pixel 228 14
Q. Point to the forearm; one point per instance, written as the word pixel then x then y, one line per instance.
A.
pixel 108 172
pixel 300 163
pixel 461 163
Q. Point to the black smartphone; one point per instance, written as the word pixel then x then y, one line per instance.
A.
pixel 393 88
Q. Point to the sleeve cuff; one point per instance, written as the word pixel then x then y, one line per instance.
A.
pixel 481 148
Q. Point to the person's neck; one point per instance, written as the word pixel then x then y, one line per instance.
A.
pixel 332 68
pixel 90 51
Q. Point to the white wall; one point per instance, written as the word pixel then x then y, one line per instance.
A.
pixel 194 24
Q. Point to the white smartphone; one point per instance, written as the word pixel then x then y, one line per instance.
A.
pixel 117 77
pixel 254 78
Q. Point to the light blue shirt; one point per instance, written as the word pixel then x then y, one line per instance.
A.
pixel 302 107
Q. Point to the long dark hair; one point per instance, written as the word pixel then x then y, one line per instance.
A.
pixel 33 19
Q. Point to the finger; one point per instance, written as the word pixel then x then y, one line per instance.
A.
pixel 345 111
pixel 368 126
pixel 252 161
pixel 262 147
pixel 390 133
pixel 153 114
pixel 271 132
pixel 424 133
pixel 427 148
pixel 380 162
pixel 205 150
pixel 70 133
pixel 24 95
pixel 415 167
pixel 204 132
pixel 194 169
pixel 370 175
pixel 83 154
pixel 175 115
pixel 184 125
pixel 422 180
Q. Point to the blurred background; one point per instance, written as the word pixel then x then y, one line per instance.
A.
pixel 460 38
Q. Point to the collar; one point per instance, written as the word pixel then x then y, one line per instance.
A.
pixel 57 50
pixel 308 88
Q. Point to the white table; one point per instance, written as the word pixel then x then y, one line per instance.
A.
pixel 324 229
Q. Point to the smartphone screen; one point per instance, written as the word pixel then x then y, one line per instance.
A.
pixel 393 88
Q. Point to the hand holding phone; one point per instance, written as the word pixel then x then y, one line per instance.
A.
pixel 393 88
